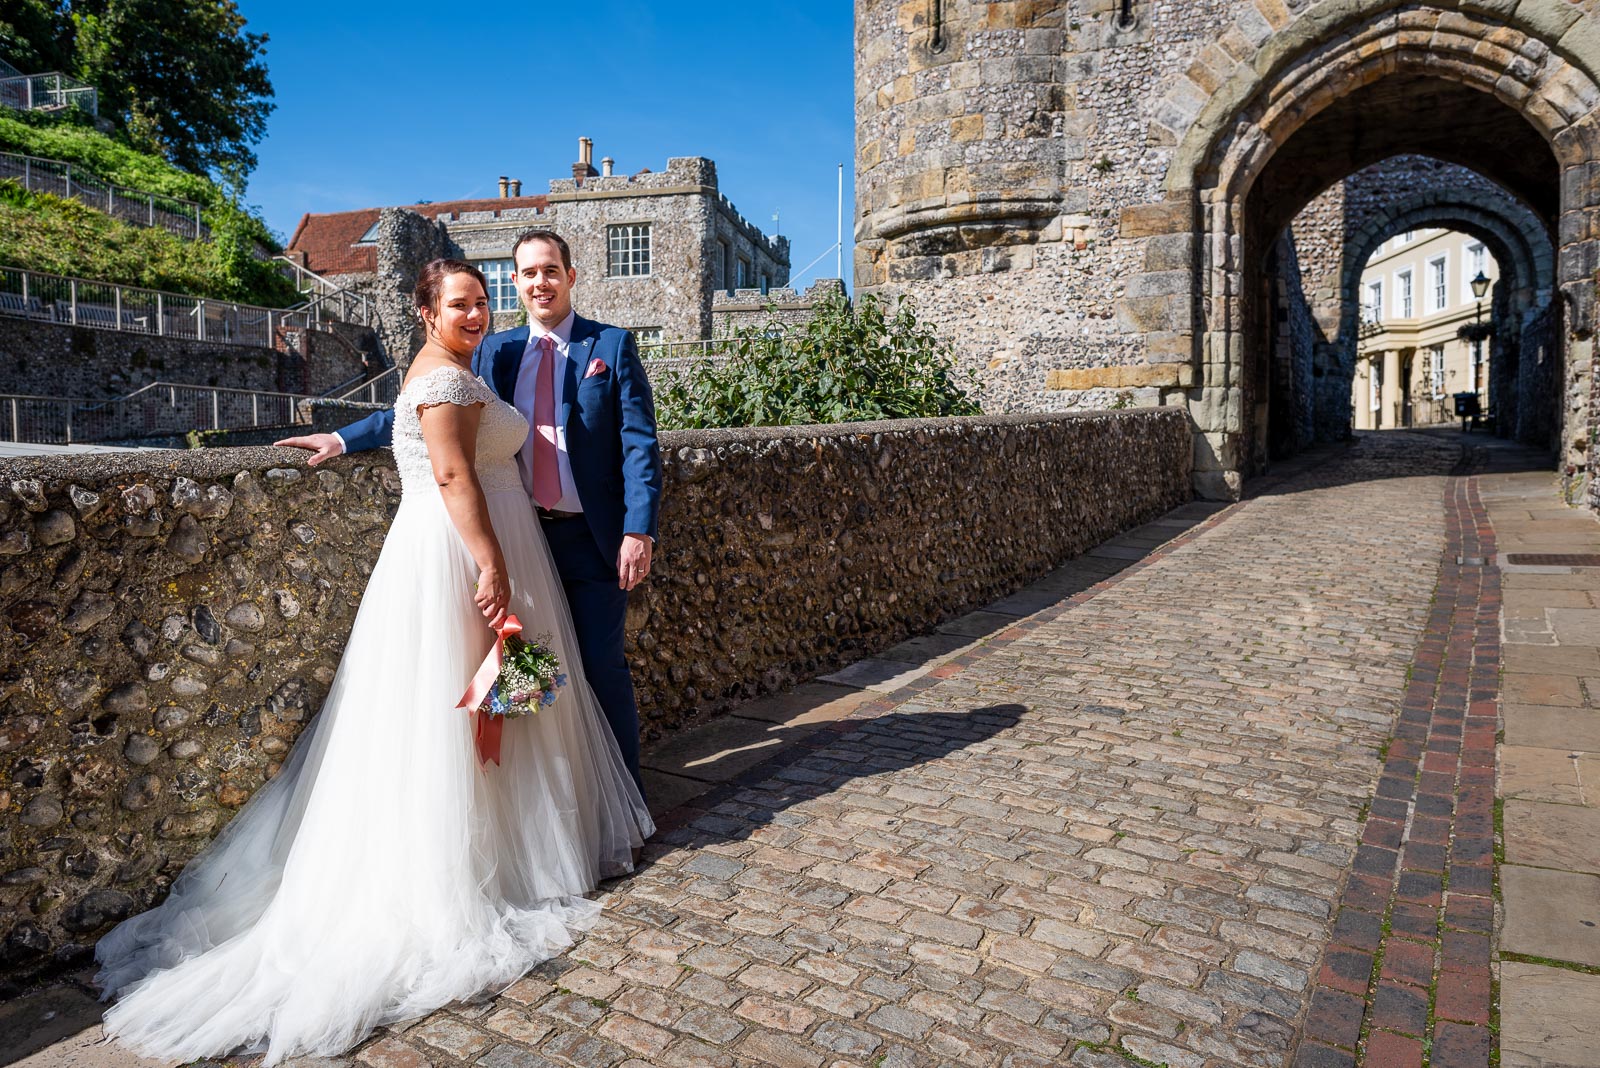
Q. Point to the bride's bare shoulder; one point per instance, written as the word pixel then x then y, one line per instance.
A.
pixel 430 367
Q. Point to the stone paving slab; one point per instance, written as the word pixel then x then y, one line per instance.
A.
pixel 1553 727
pixel 1552 835
pixel 1551 914
pixel 1550 1018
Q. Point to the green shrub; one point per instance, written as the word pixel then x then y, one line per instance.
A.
pixel 56 235
pixel 71 141
pixel 850 362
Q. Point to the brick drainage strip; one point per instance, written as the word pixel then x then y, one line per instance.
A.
pixel 1406 979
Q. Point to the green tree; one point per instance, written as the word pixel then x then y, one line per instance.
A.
pixel 850 362
pixel 35 36
pixel 183 76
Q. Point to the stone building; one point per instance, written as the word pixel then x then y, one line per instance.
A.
pixel 739 309
pixel 1096 197
pixel 650 248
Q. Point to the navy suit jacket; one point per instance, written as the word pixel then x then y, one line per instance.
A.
pixel 610 419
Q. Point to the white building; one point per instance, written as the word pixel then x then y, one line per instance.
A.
pixel 1416 294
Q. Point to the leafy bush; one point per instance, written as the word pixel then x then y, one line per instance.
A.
pixel 61 236
pixel 850 362
pixel 72 141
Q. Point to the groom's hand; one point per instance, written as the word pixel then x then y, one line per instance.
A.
pixel 322 446
pixel 633 560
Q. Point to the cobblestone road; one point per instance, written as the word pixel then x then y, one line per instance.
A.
pixel 1120 828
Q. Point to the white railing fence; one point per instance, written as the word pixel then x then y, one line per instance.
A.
pixel 157 409
pixel 327 297
pixel 108 306
pixel 47 92
pixel 181 217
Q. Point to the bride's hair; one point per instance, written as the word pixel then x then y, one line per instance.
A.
pixel 430 281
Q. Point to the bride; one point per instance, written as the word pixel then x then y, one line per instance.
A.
pixel 383 873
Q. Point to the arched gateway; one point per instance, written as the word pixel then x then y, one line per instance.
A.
pixel 1131 172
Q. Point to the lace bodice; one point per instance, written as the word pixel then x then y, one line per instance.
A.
pixel 501 430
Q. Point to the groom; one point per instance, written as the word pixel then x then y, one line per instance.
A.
pixel 591 464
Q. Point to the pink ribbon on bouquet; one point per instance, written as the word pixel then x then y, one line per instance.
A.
pixel 486 728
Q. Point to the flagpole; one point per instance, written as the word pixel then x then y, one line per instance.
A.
pixel 839 234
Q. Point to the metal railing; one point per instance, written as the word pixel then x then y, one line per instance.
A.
pixel 157 409
pixel 181 217
pixel 381 389
pixel 328 297
pixel 53 91
pixel 107 306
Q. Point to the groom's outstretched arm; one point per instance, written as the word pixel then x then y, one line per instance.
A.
pixel 373 432
pixel 377 429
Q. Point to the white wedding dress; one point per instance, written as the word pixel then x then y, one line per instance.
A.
pixel 382 873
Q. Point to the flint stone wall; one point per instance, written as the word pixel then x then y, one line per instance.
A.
pixel 59 360
pixel 171 620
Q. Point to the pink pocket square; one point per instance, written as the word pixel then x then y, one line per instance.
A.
pixel 596 366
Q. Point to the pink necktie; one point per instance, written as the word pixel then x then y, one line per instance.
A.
pixel 546 473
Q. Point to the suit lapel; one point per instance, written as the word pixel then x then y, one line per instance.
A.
pixel 507 361
pixel 580 349
pixel 577 356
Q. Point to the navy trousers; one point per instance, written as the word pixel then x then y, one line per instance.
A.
pixel 599 608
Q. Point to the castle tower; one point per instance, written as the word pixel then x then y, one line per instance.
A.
pixel 1091 197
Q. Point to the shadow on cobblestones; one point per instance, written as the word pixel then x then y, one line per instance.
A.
pixel 851 750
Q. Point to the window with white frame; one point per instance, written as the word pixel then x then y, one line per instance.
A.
pixel 1478 364
pixel 628 250
pixel 1374 309
pixel 1405 294
pixel 370 237
pixel 1436 371
pixel 1477 263
pixel 502 278
pixel 1407 237
pixel 1438 290
pixel 1375 385
pixel 647 337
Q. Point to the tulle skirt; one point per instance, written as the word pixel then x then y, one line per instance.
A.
pixel 382 873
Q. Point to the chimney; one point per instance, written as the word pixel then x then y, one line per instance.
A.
pixel 605 167
pixel 502 187
pixel 584 168
pixel 516 187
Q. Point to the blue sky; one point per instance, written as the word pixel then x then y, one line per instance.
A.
pixel 391 103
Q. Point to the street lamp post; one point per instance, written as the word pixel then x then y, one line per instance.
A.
pixel 1480 287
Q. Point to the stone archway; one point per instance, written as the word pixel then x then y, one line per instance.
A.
pixel 1334 90
pixel 1523 392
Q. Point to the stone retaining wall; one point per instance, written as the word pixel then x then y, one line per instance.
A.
pixel 172 619
pixel 59 360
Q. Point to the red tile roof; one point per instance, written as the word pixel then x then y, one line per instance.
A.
pixel 326 243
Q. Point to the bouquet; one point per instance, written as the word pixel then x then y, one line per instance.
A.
pixel 530 675
pixel 517 678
